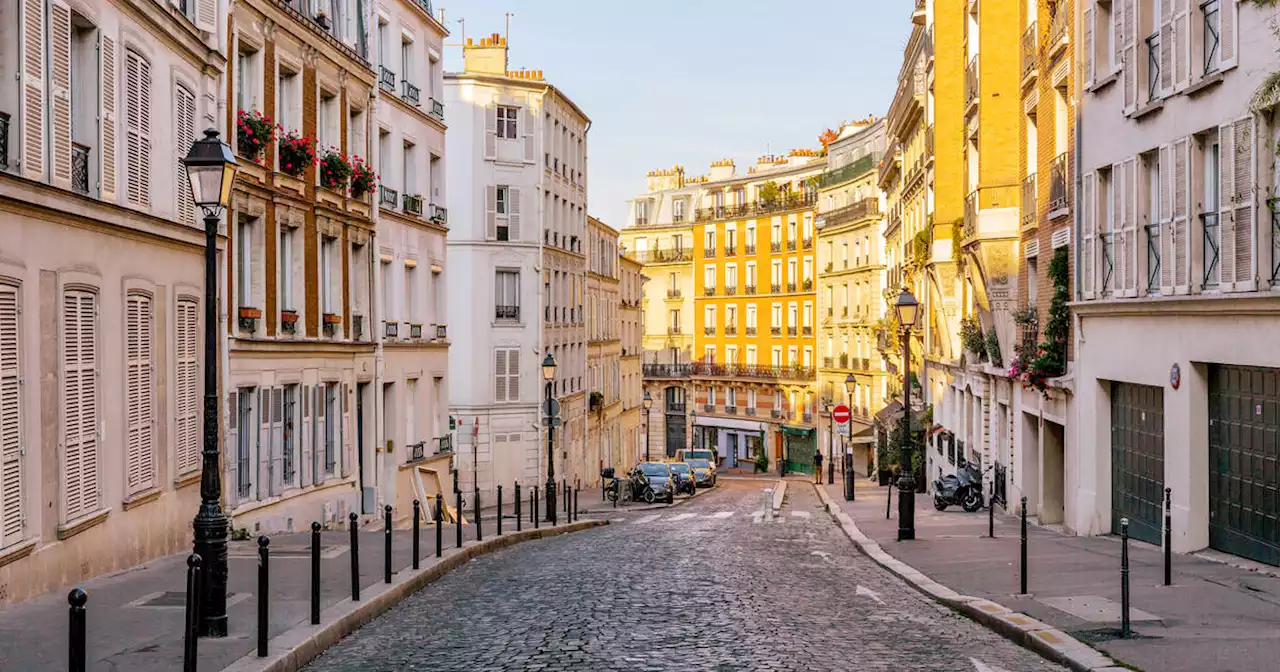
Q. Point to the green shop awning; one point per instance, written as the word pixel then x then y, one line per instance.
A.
pixel 797 431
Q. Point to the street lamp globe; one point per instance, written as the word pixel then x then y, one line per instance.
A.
pixel 850 384
pixel 648 401
pixel 211 168
pixel 907 308
pixel 548 368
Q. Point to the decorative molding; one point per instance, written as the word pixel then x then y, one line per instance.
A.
pixel 253 206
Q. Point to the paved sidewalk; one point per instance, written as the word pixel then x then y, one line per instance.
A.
pixel 1215 616
pixel 125 634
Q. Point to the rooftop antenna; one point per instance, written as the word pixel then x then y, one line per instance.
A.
pixel 507 37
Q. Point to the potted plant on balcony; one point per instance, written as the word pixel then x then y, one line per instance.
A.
pixel 596 400
pixel 972 338
pixel 335 169
pixel 331 322
pixel 254 131
pixel 289 321
pixel 363 179
pixel 297 151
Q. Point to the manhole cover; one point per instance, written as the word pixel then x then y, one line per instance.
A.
pixel 1106 635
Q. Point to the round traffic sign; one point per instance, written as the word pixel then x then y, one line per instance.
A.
pixel 840 413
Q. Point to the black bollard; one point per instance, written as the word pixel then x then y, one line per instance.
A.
pixel 888 503
pixel 499 510
pixel 576 515
pixel 439 523
pixel 1124 578
pixel 567 491
pixel 417 522
pixel 386 544
pixel 75 647
pixel 1024 548
pixel 457 499
pixel 479 528
pixel 315 573
pixel 1168 536
pixel 991 512
pixel 533 506
pixel 264 594
pixel 190 634
pixel 517 502
pixel 355 556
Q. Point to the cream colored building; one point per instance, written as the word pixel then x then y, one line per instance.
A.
pixel 101 285
pixel 630 422
pixel 604 355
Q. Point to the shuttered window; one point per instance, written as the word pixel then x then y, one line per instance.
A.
pixel 140 460
pixel 184 133
pixel 188 399
pixel 33 89
pixel 11 513
pixel 107 116
pixel 137 104
pixel 506 374
pixel 79 403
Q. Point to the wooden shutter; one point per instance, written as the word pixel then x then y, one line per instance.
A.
pixel 206 15
pixel 1088 226
pixel 530 151
pixel 184 119
pixel 1240 245
pixel 490 132
pixel 107 117
pixel 513 213
pixel 1166 220
pixel 491 212
pixel 322 420
pixel 1181 44
pixel 1126 241
pixel 232 447
pixel 277 440
pixel 263 442
pixel 340 450
pixel 1181 197
pixel 188 401
pixel 137 93
pixel 79 403
pixel 60 94
pixel 1228 34
pixel 1226 203
pixel 1130 65
pixel 1117 34
pixel 500 375
pixel 1166 48
pixel 308 436
pixel 513 374
pixel 140 444
pixel 11 509
pixel 33 89
pixel 1087 53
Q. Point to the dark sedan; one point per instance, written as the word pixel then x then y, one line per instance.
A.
pixel 658 476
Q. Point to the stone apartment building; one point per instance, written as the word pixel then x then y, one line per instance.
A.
pixel 101 284
pixel 631 423
pixel 604 353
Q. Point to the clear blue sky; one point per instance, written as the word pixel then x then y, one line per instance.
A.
pixel 689 81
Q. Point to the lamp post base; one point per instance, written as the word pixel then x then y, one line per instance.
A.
pixel 210 531
pixel 906 507
pixel 551 500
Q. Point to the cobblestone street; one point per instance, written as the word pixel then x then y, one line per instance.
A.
pixel 699 587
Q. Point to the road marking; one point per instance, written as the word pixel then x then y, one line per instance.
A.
pixel 980 666
pixel 684 516
pixel 863 591
pixel 648 519
pixel 800 514
pixel 722 515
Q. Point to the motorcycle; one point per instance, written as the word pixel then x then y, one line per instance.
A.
pixel 613 489
pixel 963 488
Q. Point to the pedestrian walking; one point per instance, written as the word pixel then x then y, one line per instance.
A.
pixel 817 466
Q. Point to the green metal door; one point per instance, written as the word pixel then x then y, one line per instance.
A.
pixel 1244 417
pixel 1137 459
pixel 799 444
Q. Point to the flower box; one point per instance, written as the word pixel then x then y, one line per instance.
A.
pixel 331 322
pixel 363 179
pixel 254 131
pixel 289 321
pixel 335 170
pixel 248 318
pixel 295 153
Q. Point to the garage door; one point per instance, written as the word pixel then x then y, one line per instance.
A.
pixel 1244 510
pixel 1137 459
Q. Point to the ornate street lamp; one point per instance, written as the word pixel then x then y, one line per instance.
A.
pixel 549 374
pixel 211 168
pixel 907 308
pixel 648 403
pixel 828 406
pixel 850 385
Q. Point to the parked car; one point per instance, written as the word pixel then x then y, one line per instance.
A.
pixel 652 482
pixel 683 475
pixel 684 455
pixel 703 473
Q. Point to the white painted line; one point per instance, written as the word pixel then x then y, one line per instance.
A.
pixel 684 516
pixel 863 591
pixel 980 666
pixel 721 515
pixel 800 514
pixel 648 519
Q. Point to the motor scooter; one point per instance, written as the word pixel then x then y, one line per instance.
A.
pixel 963 488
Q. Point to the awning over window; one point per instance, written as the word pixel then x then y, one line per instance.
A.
pixel 797 431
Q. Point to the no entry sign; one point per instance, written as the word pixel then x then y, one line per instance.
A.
pixel 840 413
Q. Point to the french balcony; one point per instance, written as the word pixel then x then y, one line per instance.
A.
pixel 775 288
pixel 709 331
pixel 754 371
pixel 751 290
pixel 709 252
pixel 807 417
pixel 730 290
pixel 410 93
pixel 674 293
pixel 412 204
pixel 751 331
pixel 664 256
pixel 731 410
pixel 971 83
pixel 673 331
pixel 731 330
pixel 667 370
pixel 775 246
pixel 867 207
pixel 80 168
pixel 439 214
pixel 386 79
pixel 807 243
pixel 709 408
pixel 507 313
pixel 970 231
pixel 4 140
pixel 1029 51
pixel 708 291
pixel 791 331
pixel 730 250
pixel 791 245
pixel 437 109
pixel 387 197
pixel 807 285
pixel 807 331
pixel 791 287
pixel 749 249
pixel 442 332
pixel 775 331
pixel 390 329
pixel 751 411
pixel 775 414
pixel 415 331
pixel 1028 206
pixel 826 362
pixel 1057 30
pixel 1059 205
pixel 844 361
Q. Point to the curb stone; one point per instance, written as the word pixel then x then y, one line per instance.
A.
pixel 1021 629
pixel 302 643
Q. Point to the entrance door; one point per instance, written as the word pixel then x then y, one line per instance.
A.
pixel 1137 459
pixel 366 493
pixel 674 409
pixel 1244 447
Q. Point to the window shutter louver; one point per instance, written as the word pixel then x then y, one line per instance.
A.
pixel 206 15
pixel 1166 47
pixel 1088 218
pixel 1130 64
pixel 530 151
pixel 1166 241
pixel 80 419
pixel 1181 44
pixel 263 442
pixel 1226 204
pixel 322 428
pixel 184 135
pixel 11 509
pixel 33 89
pixel 491 212
pixel 340 451
pixel 1228 22
pixel 490 132
pixel 107 117
pixel 500 375
pixel 513 374
pixel 138 121
pixel 1240 245
pixel 60 94
pixel 277 440
pixel 140 446
pixel 513 213
pixel 1087 54
pixel 189 409
pixel 1126 248
pixel 1117 33
pixel 1181 193
pixel 232 447
pixel 308 437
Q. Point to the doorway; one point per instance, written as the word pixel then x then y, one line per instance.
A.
pixel 366 493
pixel 1052 475
pixel 1028 475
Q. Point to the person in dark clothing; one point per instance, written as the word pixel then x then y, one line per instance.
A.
pixel 817 466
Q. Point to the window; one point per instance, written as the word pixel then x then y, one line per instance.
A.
pixel 791 273
pixel 775 275
pixel 711 396
pixel 1033 292
pixel 777 355
pixel 808 314
pixel 328 124
pixel 751 274
pixel 731 394
pixel 808 269
pixel 184 120
pixel 1153 219
pixel 751 316
pixel 285 268
pixel 507 121
pixel 751 355
pixel 808 357
pixel 80 404
pixel 673 323
pixel 506 374
pixel 642 212
pixel 289 99
pixel 328 263
pixel 410 295
pixel 248 77
pixel 775 236
pixel 11 504
pixel 137 100
pixel 777 316
pixel 507 295
pixel 709 354
pixel 709 243
pixel 731 355
pixel 709 276
pixel 1212 56
pixel 792 312
pixel 244 259
pixel 731 276
pixel 289 436
pixel 140 463
pixel 677 210
pixel 241 426
pixel 332 427
pixel 710 317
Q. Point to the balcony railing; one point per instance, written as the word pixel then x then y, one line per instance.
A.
pixel 1029 50
pixel 775 413
pixel 1029 212
pixel 791 245
pixel 807 416
pixel 775 288
pixel 413 204
pixel 867 207
pixel 750 289
pixel 709 252
pixel 437 108
pixel 439 214
pixel 730 250
pixel 1212 243
pixel 775 246
pixel 787 201
pixel 442 332
pixel 1058 27
pixel 1107 242
pixel 506 313
pixel 387 197
pixel 731 330
pixel 708 291
pixel 673 331
pixel 807 331
pixel 791 286
pixel 1029 336
pixel 4 140
pixel 807 243
pixel 674 293
pixel 662 256
pixel 415 331
pixel 709 331
pixel 667 370
pixel 863 164
pixel 1153 66
pixel 410 93
pixel 730 290
pixel 390 329
pixel 775 331
pixel 826 362
pixel 970 216
pixel 386 79
pixel 80 168
pixel 731 410
pixel 751 331
pixel 791 331
pixel 751 410
pixel 971 82
pixel 758 371
pixel 844 361
pixel 807 285
pixel 749 248
pixel 1058 176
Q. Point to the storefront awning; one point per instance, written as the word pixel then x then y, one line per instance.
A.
pixel 728 423
pixel 797 431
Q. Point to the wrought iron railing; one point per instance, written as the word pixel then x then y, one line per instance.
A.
pixel 807 416
pixel 437 108
pixel 791 245
pixel 1057 25
pixel 80 168
pixel 751 331
pixel 1029 50
pixel 439 214
pixel 673 331
pixel 415 331
pixel 709 252
pixel 1212 19
pixel 859 166
pixel 709 331
pixel 775 246
pixel 750 289
pixel 1153 66
pixel 410 92
pixel 775 288
pixel 708 291
pixel 759 371
pixel 730 250
pixel 749 248
pixel 775 331
pixel 1107 241
pixel 506 312
pixel 826 362
pixel 667 370
pixel 387 197
pixel 807 243
pixel 1029 336
pixel 791 331
pixel 844 360
pixel 674 293
pixel 4 140
pixel 1212 241
pixel 1153 257
pixel 1000 486
pixel 1274 205
pixel 970 216
pixel 386 79
pixel 731 410
pixel 442 332
pixel 1058 180
pixel 807 285
pixel 806 330
pixel 788 201
pixel 971 81
pixel 775 413
pixel 413 204
pixel 390 329
pixel 730 290
pixel 661 256
pixel 867 207
pixel 1029 212
pixel 731 330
